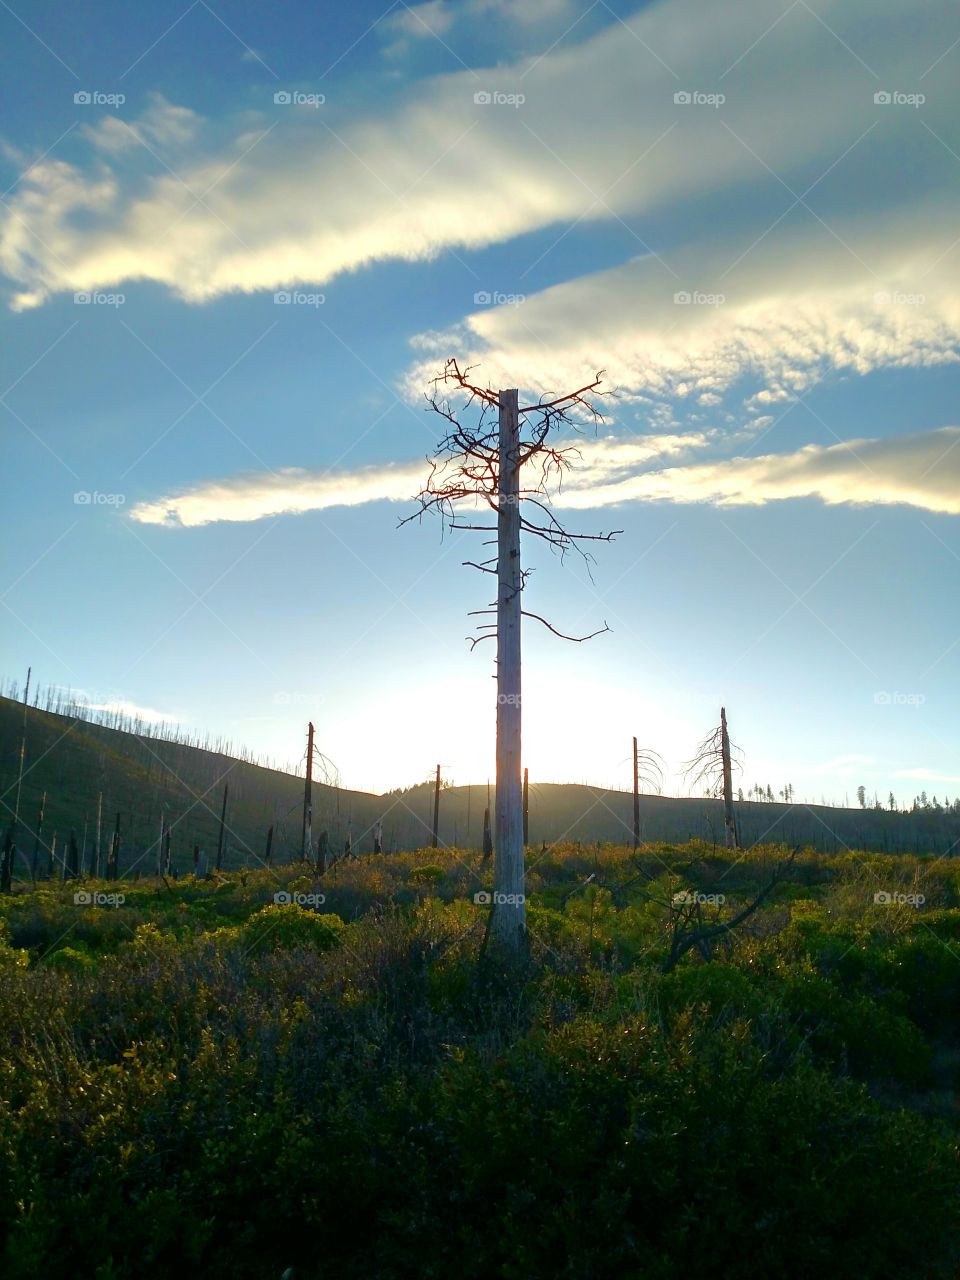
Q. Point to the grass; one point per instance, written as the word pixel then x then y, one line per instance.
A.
pixel 200 1080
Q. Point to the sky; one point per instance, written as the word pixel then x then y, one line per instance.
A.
pixel 236 243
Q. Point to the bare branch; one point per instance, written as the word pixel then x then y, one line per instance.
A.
pixel 575 639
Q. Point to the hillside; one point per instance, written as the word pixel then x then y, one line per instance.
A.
pixel 75 760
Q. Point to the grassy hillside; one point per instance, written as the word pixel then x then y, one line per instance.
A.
pixel 74 760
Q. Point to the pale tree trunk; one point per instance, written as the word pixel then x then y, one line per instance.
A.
pixel 508 925
pixel 636 798
pixel 730 826
pixel 436 811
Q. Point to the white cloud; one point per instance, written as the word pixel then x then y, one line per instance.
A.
pixel 798 305
pixel 163 125
pixel 254 496
pixel 927 775
pixel 307 195
pixel 291 490
pixel 123 706
pixel 920 470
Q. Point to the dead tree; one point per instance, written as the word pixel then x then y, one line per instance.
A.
pixel 505 462
pixel 690 929
pixel 648 769
pixel 436 811
pixel 526 807
pixel 306 845
pixel 71 868
pixel 713 765
pixel 223 826
pixel 35 861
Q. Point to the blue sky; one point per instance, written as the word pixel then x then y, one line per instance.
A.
pixel 747 220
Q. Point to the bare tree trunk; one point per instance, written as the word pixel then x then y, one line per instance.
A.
pixel 729 823
pixel 508 924
pixel 223 823
pixel 72 868
pixel 307 845
pixel 34 865
pixel 163 828
pixel 268 856
pixel 95 870
pixel 436 810
pixel 113 862
pixel 636 798
pixel 526 807
pixel 6 862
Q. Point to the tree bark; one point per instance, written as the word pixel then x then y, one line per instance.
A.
pixel 636 798
pixel 223 824
pixel 508 923
pixel 307 838
pixel 729 823
pixel 436 810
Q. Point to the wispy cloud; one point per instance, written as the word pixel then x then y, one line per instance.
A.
pixel 796 308
pixel 300 194
pixel 920 470
pixel 927 775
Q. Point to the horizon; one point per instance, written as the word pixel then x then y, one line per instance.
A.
pixel 233 252
pixel 123 718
